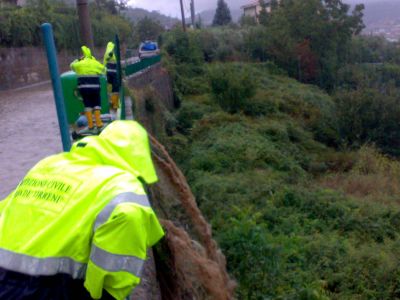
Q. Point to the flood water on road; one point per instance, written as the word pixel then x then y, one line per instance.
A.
pixel 28 132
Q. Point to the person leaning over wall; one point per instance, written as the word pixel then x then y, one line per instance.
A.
pixel 79 224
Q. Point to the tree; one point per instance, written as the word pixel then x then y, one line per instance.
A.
pixel 222 14
pixel 147 29
pixel 263 15
pixel 112 6
pixel 199 22
pixel 328 26
pixel 367 116
pixel 274 4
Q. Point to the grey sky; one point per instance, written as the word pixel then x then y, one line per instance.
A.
pixel 171 7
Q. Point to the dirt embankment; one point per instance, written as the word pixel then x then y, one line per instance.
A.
pixel 189 263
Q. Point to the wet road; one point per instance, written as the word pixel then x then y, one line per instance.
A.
pixel 28 132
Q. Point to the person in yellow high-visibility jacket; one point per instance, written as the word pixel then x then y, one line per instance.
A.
pixel 110 61
pixel 79 224
pixel 89 70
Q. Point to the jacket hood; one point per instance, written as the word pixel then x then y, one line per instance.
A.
pixel 86 52
pixel 109 54
pixel 122 144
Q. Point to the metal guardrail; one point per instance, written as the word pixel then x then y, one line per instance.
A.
pixel 142 64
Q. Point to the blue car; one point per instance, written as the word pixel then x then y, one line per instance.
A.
pixel 148 49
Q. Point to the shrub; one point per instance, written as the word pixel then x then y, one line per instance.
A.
pixel 232 86
pixel 189 113
pixel 367 116
pixel 183 47
pixel 261 104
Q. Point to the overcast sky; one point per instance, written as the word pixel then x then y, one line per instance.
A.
pixel 171 7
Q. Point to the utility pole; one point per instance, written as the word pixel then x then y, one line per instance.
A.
pixel 183 16
pixel 192 13
pixel 85 29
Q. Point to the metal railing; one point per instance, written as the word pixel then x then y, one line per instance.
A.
pixel 141 65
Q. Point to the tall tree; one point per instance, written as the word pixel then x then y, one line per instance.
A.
pixel 328 27
pixel 222 14
pixel 112 6
pixel 148 29
pixel 274 4
pixel 263 15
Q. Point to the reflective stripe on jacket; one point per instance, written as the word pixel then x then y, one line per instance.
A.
pixel 85 213
pixel 89 82
pixel 111 68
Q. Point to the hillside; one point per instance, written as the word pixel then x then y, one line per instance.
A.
pixel 272 192
pixel 137 14
pixel 293 165
pixel 262 179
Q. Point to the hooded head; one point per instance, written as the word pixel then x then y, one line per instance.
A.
pixel 122 144
pixel 86 52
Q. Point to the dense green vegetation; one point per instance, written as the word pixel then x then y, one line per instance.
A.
pixel 291 176
pixel 20 26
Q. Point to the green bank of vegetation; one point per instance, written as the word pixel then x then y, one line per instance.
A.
pixel 288 134
pixel 20 26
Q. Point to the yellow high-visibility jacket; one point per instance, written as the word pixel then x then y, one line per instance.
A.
pixel 109 55
pixel 85 213
pixel 88 65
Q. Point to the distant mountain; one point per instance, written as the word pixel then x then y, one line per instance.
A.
pixel 137 14
pixel 382 18
pixel 380 11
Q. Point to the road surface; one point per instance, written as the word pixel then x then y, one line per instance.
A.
pixel 28 132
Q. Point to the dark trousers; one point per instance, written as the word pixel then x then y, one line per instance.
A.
pixel 112 77
pixel 89 88
pixel 113 80
pixel 17 286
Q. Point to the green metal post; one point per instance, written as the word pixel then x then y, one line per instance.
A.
pixel 119 75
pixel 55 80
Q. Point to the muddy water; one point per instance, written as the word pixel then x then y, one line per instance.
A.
pixel 28 132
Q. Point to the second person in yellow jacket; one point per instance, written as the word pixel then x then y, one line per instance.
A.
pixel 89 70
pixel 110 61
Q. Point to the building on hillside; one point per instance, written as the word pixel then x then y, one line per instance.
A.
pixel 253 8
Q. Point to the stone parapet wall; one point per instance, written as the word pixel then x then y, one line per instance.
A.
pixel 28 65
pixel 157 78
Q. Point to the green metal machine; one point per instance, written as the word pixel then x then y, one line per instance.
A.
pixel 72 100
